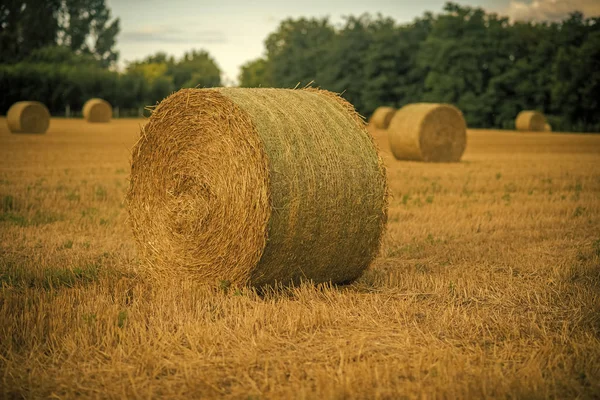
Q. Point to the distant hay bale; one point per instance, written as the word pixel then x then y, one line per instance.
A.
pixel 382 116
pixel 28 117
pixel 97 110
pixel 548 127
pixel 530 121
pixel 428 132
pixel 256 187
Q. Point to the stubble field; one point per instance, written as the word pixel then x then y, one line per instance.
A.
pixel 487 285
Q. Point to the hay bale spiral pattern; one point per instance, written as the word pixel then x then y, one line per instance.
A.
pixel 428 132
pixel 257 186
pixel 28 117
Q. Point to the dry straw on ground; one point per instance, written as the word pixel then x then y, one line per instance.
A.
pixel 428 132
pixel 531 121
pixel 487 285
pixel 257 186
pixel 382 116
pixel 97 110
pixel 28 117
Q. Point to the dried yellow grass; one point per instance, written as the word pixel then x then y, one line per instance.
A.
pixel 97 110
pixel 28 117
pixel 382 116
pixel 257 186
pixel 486 286
pixel 533 121
pixel 428 132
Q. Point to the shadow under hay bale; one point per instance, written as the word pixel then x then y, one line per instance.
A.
pixel 28 117
pixel 257 187
pixel 428 132
pixel 97 110
pixel 381 117
pixel 532 121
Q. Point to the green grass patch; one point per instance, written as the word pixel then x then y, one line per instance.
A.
pixel 100 193
pixel 37 219
pixel 405 199
pixel 67 245
pixel 8 203
pixel 25 270
pixel 578 211
pixel 48 278
pixel 596 247
pixel 121 318
pixel 89 212
pixel 73 196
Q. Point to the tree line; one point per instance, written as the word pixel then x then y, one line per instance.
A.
pixel 488 66
pixel 62 52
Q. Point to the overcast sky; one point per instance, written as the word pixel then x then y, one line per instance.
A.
pixel 233 31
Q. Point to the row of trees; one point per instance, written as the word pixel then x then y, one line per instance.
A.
pixel 488 66
pixel 60 78
pixel 82 26
pixel 62 52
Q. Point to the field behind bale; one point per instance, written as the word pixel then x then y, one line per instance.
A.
pixel 487 285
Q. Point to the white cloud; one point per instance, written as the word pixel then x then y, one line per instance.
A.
pixel 551 10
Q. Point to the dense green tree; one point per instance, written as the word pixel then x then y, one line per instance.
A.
pixel 458 55
pixel 255 73
pixel 60 55
pixel 86 27
pixel 392 77
pixel 27 25
pixel 343 68
pixel 196 69
pixel 297 49
pixel 575 74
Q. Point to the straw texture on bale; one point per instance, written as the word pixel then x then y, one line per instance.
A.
pixel 28 117
pixel 428 132
pixel 257 187
pixel 97 110
pixel 382 116
pixel 531 121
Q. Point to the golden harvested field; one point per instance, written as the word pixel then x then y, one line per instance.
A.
pixel 488 284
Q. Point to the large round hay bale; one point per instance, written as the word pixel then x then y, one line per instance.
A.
pixel 428 132
pixel 530 121
pixel 28 117
pixel 97 110
pixel 548 127
pixel 381 117
pixel 256 187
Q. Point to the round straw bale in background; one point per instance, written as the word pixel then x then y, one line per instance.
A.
pixel 530 121
pixel 256 187
pixel 97 110
pixel 548 127
pixel 428 132
pixel 28 117
pixel 382 116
